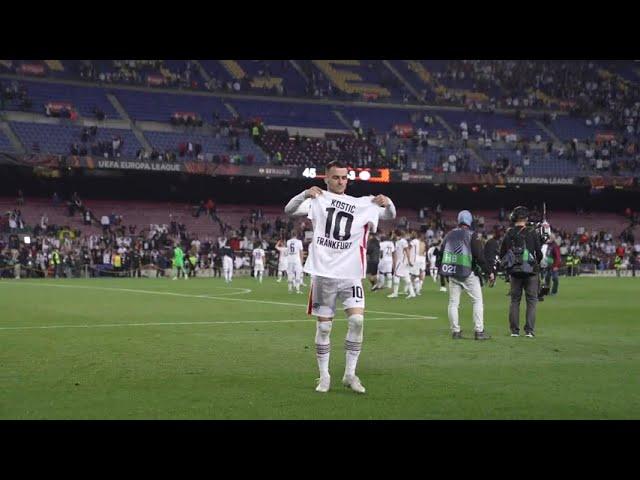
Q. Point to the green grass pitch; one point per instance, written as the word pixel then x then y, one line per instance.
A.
pixel 200 349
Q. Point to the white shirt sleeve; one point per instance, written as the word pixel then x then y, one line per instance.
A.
pixel 298 206
pixel 388 213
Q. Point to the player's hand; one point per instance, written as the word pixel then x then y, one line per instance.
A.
pixel 313 192
pixel 381 200
pixel 492 279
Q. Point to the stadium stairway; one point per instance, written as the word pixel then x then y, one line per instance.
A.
pixel 136 131
pixel 12 137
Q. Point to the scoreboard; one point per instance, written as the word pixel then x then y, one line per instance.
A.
pixel 374 175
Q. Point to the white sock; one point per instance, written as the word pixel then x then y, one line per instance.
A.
pixel 380 283
pixel 323 346
pixel 389 280
pixel 279 276
pixel 417 285
pixel 396 285
pixel 409 286
pixel 353 343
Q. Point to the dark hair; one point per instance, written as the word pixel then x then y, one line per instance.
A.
pixel 519 213
pixel 334 164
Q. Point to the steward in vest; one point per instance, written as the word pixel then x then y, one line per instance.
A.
pixel 191 265
pixel 569 263
pixel 56 262
pixel 463 261
pixel 617 264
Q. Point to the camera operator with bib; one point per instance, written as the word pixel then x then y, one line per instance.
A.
pixel 520 255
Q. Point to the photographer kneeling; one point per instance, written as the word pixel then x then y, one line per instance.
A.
pixel 520 255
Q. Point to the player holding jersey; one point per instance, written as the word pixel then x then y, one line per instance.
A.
pixel 258 256
pixel 294 262
pixel 337 263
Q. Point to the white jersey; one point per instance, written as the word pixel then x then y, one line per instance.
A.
pixel 399 254
pixel 258 256
pixel 401 260
pixel 341 226
pixel 294 247
pixel 386 250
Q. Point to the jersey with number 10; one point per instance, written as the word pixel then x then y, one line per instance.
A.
pixel 341 226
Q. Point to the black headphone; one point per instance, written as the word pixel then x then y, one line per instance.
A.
pixel 519 213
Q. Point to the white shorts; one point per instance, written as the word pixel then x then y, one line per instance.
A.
pixel 227 263
pixel 258 267
pixel 432 263
pixel 385 266
pixel 324 293
pixel 402 270
pixel 282 266
pixel 294 270
pixel 419 267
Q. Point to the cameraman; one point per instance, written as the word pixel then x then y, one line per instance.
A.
pixel 520 255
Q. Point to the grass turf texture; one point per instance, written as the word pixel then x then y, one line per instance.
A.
pixel 98 357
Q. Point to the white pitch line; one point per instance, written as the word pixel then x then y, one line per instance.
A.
pixel 153 292
pixel 159 324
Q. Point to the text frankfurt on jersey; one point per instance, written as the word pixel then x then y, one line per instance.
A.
pixel 335 244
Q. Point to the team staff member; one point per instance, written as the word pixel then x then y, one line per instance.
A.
pixel 521 254
pixel 462 254
pixel 373 258
pixel 554 262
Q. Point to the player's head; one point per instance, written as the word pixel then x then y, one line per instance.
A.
pixel 336 173
pixel 399 233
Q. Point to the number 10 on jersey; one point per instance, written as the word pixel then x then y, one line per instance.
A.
pixel 336 229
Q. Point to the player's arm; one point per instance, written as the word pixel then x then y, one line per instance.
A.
pixel 299 205
pixel 389 212
pixel 302 256
pixel 407 255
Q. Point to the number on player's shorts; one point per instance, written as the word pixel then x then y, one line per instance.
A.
pixel 336 229
pixel 357 292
